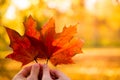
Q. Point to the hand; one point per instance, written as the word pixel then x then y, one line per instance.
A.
pixel 28 73
pixel 57 75
pixel 33 72
pixel 53 74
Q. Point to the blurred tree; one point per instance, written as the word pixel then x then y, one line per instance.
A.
pixel 99 19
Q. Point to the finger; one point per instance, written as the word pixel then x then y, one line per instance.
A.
pixel 22 74
pixel 59 75
pixel 34 72
pixel 46 73
pixel 35 69
pixel 53 75
pixel 25 71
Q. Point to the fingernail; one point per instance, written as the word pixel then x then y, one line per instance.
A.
pixel 45 66
pixel 36 65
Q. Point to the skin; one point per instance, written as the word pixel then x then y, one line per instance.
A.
pixel 32 73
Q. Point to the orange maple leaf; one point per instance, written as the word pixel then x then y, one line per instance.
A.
pixel 45 43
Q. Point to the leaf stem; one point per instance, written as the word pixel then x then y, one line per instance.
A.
pixel 47 61
pixel 36 60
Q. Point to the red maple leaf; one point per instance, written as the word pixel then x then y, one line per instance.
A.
pixel 45 43
pixel 23 51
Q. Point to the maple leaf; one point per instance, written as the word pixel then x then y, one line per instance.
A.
pixel 23 51
pixel 64 55
pixel 31 28
pixel 45 38
pixel 45 43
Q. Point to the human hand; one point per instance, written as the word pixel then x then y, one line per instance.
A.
pixel 57 75
pixel 53 74
pixel 28 73
pixel 33 72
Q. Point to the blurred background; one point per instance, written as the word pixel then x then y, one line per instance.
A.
pixel 99 27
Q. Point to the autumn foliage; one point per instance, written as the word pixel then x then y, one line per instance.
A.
pixel 44 43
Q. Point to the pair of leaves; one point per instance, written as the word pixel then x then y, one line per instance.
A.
pixel 45 43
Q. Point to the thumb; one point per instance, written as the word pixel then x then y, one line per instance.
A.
pixel 46 73
pixel 23 73
pixel 34 72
